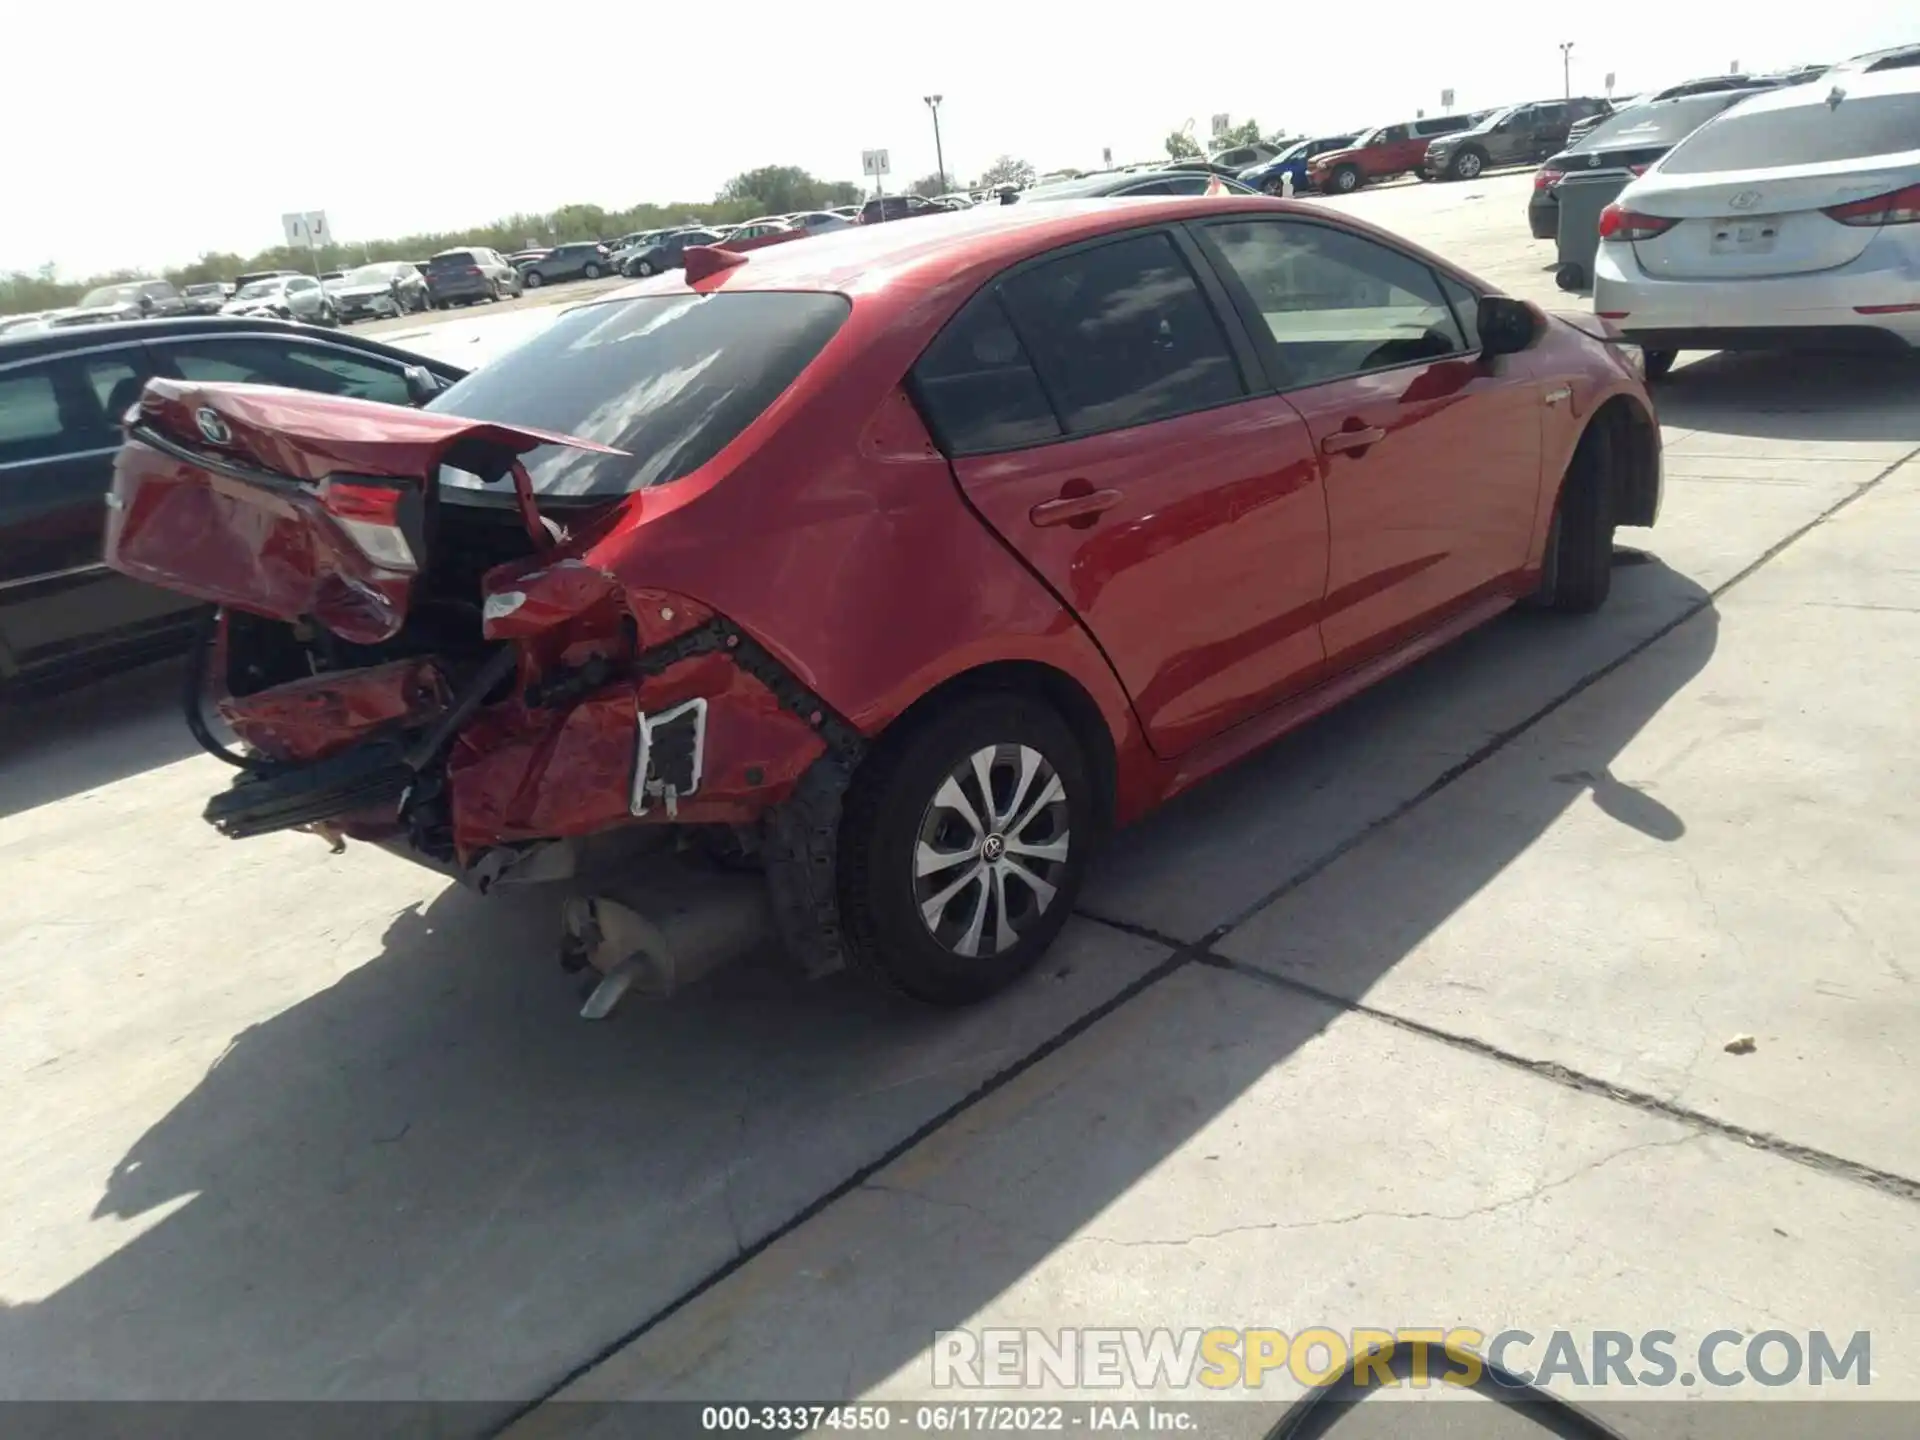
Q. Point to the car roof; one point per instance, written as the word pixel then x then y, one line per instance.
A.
pixel 40 343
pixel 1855 85
pixel 906 259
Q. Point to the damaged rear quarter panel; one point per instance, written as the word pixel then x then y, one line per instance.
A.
pixel 520 773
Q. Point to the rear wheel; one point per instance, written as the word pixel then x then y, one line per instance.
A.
pixel 1659 363
pixel 1579 561
pixel 592 271
pixel 1571 275
pixel 1346 180
pixel 534 280
pixel 963 848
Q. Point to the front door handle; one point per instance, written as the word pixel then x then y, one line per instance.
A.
pixel 1081 510
pixel 1345 440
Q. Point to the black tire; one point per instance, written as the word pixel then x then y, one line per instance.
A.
pixel 1345 180
pixel 1659 363
pixel 889 809
pixel 592 272
pixel 643 268
pixel 1579 560
pixel 1467 165
pixel 533 279
pixel 1571 275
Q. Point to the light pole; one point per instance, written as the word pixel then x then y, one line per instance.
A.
pixel 939 156
pixel 1566 69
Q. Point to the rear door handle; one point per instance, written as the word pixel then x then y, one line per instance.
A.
pixel 1074 509
pixel 1343 440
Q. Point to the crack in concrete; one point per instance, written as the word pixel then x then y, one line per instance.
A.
pixel 1887 1182
pixel 1335 1221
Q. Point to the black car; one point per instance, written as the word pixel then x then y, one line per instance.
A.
pixel 462 277
pixel 1145 182
pixel 63 613
pixel 898 207
pixel 1518 135
pixel 1630 141
pixel 668 254
pixel 581 260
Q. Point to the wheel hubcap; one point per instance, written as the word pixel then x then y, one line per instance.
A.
pixel 992 848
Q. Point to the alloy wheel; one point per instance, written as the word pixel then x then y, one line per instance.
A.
pixel 1468 165
pixel 991 849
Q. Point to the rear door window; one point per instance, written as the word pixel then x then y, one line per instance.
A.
pixel 254 360
pixel 31 426
pixel 1769 139
pixel 1122 334
pixel 669 379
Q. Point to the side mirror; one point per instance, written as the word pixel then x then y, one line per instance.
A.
pixel 146 304
pixel 1507 326
pixel 422 384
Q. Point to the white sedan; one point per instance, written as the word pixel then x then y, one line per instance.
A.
pixel 1791 220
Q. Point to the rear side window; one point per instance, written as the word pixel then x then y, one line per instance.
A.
pixel 978 389
pixel 669 379
pixel 298 367
pixel 1855 129
pixel 29 417
pixel 1651 126
pixel 1122 335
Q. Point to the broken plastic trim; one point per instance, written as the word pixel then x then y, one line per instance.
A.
pixel 667 762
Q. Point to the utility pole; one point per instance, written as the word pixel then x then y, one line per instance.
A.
pixel 939 156
pixel 1566 69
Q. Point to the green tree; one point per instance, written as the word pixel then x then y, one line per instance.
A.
pixel 1182 146
pixel 929 185
pixel 779 189
pixel 1008 170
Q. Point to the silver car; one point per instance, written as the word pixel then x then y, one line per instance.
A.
pixel 1791 220
pixel 291 297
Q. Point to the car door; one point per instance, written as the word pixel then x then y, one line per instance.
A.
pixel 1546 131
pixel 58 436
pixel 1097 409
pixel 1430 454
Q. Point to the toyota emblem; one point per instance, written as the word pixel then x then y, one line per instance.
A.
pixel 1745 200
pixel 212 426
pixel 1592 160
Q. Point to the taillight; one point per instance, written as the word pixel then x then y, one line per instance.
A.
pixel 472 270
pixel 1544 179
pixel 1628 226
pixel 372 515
pixel 1636 169
pixel 1901 207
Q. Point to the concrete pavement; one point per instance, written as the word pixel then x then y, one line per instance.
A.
pixel 288 1124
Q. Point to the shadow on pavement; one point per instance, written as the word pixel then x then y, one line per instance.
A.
pixel 1779 396
pixel 57 745
pixel 430 1179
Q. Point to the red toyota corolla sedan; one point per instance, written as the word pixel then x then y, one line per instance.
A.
pixel 906 559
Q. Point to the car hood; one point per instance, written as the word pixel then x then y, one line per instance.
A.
pixel 1333 157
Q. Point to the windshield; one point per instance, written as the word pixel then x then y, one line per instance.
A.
pixel 670 379
pixel 371 275
pixel 259 288
pixel 451 259
pixel 1666 123
pixel 1773 138
pixel 1494 119
pixel 110 295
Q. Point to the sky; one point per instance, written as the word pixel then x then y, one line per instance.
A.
pixel 197 127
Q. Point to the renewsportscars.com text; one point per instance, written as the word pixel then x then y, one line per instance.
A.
pixel 1229 1359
